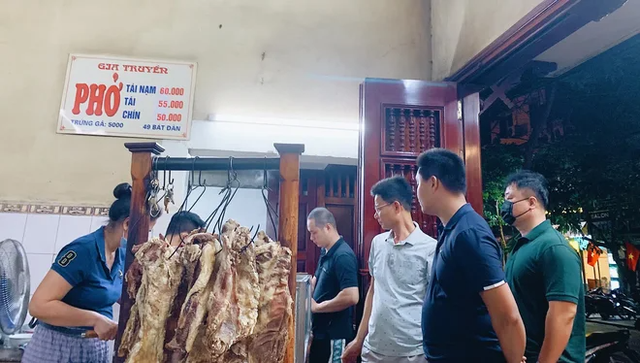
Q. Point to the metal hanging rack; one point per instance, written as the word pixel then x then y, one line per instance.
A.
pixel 145 165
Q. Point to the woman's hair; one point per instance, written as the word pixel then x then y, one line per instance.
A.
pixel 120 208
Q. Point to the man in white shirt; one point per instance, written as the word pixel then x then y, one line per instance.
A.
pixel 399 264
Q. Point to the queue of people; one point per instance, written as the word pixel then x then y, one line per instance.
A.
pixel 450 300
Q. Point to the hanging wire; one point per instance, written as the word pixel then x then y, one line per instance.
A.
pixel 201 184
pixel 229 194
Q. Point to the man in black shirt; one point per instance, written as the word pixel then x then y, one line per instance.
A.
pixel 335 289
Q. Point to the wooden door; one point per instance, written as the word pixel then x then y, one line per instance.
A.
pixel 338 196
pixel 308 252
pixel 400 119
pixel 333 188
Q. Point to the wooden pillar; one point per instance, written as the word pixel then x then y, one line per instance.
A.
pixel 141 163
pixel 288 223
pixel 472 150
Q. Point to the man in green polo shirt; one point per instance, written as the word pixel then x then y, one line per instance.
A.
pixel 544 274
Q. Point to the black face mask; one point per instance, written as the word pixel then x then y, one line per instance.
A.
pixel 506 212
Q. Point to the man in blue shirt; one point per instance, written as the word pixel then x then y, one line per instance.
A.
pixel 469 313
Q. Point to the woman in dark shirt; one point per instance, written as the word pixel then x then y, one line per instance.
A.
pixel 79 291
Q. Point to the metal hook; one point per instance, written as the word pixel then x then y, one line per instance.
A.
pixel 265 176
pixel 230 170
pixel 204 190
pixel 164 174
pixel 166 167
pixel 201 182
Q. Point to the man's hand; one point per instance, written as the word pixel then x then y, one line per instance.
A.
pixel 314 306
pixel 506 321
pixel 558 326
pixel 345 298
pixel 352 352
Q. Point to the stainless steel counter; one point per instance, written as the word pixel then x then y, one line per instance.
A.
pixel 303 316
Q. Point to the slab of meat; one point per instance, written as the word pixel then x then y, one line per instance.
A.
pixel 236 354
pixel 160 279
pixel 269 339
pixel 189 254
pixel 194 307
pixel 130 332
pixel 133 278
pixel 233 306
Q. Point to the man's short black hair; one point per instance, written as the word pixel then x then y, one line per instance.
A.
pixel 184 222
pixel 321 217
pixel 535 182
pixel 394 189
pixel 445 165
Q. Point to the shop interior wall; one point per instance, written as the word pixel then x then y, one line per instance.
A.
pixel 463 28
pixel 280 58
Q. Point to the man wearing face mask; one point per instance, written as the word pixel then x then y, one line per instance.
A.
pixel 544 273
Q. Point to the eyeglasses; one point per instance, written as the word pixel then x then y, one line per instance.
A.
pixel 379 208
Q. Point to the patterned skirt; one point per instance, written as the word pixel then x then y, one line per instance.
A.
pixel 50 346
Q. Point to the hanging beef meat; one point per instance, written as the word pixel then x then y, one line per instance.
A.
pixel 190 256
pixel 233 306
pixel 194 309
pixel 215 300
pixel 268 342
pixel 160 278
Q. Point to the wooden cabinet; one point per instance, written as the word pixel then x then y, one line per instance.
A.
pixel 399 119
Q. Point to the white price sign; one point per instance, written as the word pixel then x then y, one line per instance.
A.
pixel 111 96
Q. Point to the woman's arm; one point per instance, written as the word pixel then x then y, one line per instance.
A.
pixel 46 305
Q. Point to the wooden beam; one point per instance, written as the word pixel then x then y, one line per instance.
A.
pixel 288 223
pixel 545 26
pixel 535 69
pixel 141 166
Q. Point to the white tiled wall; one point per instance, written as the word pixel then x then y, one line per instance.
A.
pixel 43 235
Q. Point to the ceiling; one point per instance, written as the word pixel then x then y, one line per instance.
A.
pixel 594 38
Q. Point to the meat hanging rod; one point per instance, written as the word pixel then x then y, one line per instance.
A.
pixel 162 163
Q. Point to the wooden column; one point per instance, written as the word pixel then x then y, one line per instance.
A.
pixel 141 164
pixel 288 222
pixel 472 150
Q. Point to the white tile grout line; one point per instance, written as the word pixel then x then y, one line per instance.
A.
pixel 24 231
pixel 55 239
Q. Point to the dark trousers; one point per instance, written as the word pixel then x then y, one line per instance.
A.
pixel 320 351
